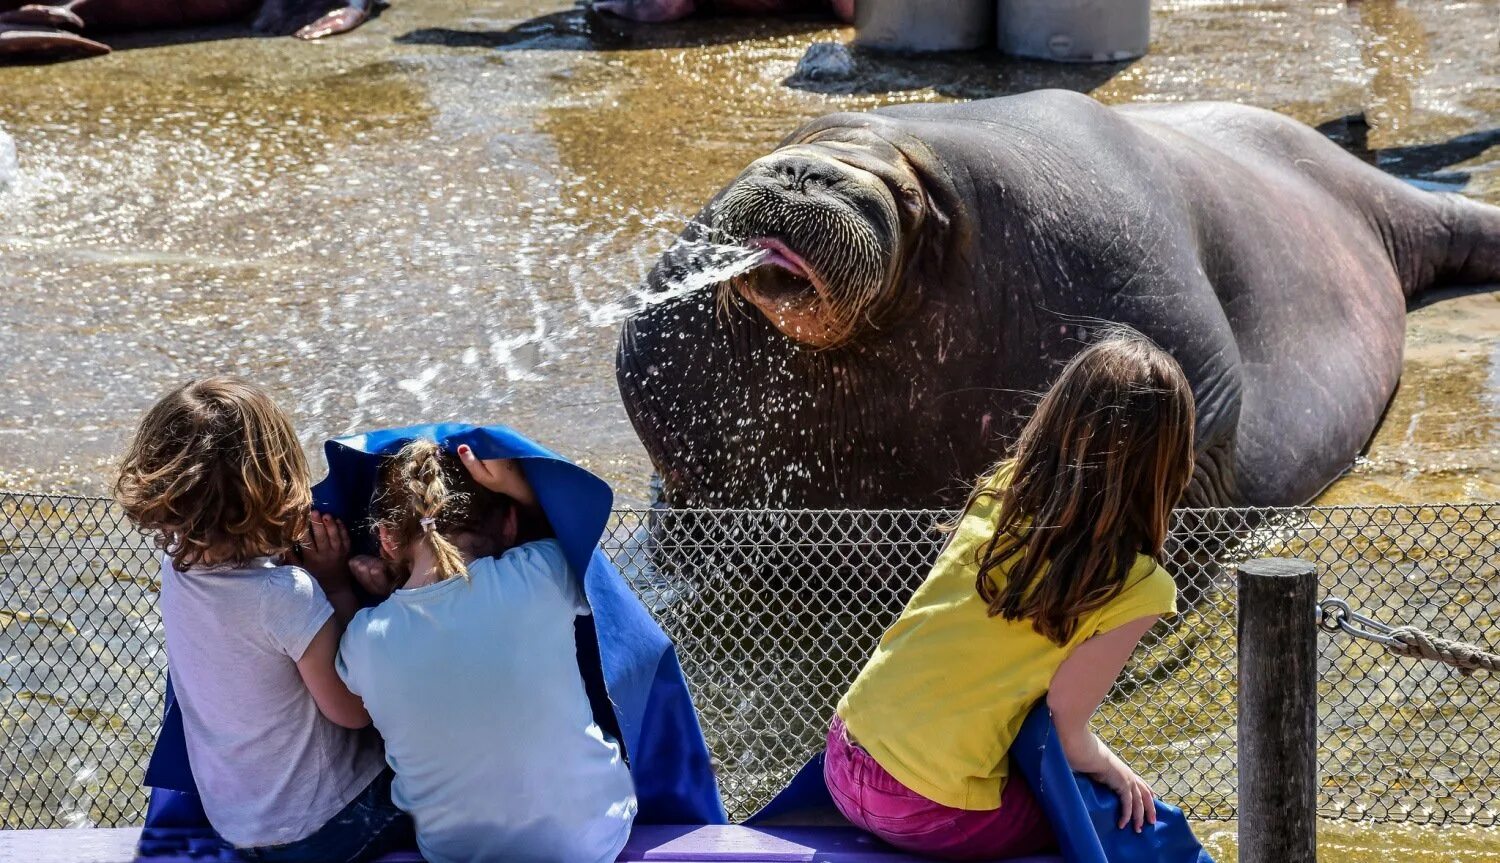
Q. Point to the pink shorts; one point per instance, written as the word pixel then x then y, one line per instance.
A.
pixel 874 801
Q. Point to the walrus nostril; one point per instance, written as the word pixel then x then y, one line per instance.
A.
pixel 797 173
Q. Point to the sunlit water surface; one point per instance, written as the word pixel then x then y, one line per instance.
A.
pixel 442 215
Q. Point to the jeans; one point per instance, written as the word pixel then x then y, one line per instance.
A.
pixel 368 827
pixel 876 802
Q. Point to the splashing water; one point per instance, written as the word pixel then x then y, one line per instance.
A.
pixel 507 348
pixel 695 260
pixel 10 166
pixel 692 264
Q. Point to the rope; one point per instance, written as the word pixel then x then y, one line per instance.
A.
pixel 1335 615
pixel 1417 644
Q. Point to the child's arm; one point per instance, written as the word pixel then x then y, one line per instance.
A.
pixel 325 555
pixel 1078 688
pixel 334 699
pixel 502 475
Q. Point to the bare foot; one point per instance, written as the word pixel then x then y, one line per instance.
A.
pixel 340 20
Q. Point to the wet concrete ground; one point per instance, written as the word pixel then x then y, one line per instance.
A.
pixel 433 217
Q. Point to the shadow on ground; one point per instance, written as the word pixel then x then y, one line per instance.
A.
pixel 583 29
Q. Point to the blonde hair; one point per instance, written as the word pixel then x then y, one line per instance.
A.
pixel 215 470
pixel 425 494
pixel 1097 471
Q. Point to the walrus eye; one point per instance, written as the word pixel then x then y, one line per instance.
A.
pixel 911 200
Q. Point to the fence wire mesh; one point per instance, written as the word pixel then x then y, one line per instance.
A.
pixel 773 613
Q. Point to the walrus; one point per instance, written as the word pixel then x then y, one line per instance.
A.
pixel 32 32
pixel 926 268
pixel 661 11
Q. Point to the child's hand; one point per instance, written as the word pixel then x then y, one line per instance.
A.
pixel 502 475
pixel 373 575
pixel 325 552
pixel 1137 800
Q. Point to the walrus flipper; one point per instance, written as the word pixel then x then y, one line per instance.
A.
pixel 36 15
pixel 1473 253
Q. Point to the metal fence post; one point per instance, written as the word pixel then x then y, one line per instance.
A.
pixel 1278 706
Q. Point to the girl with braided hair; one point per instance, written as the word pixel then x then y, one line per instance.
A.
pixel 469 670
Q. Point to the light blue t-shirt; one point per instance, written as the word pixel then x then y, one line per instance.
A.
pixel 474 684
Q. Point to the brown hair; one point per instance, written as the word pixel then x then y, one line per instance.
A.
pixel 216 472
pixel 426 494
pixel 1096 473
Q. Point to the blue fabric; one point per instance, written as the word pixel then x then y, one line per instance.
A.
pixel 1083 812
pixel 635 682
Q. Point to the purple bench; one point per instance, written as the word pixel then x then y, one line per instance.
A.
pixel 732 844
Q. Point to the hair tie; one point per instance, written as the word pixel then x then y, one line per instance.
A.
pixel 428 524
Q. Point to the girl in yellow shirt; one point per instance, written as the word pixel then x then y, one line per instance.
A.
pixel 1050 579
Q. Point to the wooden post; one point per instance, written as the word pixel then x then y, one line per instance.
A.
pixel 1278 707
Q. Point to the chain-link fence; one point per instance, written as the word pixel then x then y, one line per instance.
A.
pixel 774 611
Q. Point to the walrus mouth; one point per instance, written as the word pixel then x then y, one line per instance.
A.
pixel 788 291
pixel 830 232
pixel 791 275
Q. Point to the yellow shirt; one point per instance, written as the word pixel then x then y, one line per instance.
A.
pixel 942 699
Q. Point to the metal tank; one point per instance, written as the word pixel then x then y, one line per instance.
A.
pixel 1073 31
pixel 924 25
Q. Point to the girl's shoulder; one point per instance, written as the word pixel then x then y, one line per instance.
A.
pixel 538 560
pixel 537 568
pixel 539 554
pixel 287 585
pixel 290 577
pixel 1150 591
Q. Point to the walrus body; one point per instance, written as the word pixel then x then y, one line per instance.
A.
pixel 928 268
pixel 38 31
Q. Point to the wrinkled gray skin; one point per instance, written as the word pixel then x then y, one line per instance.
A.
pixel 933 265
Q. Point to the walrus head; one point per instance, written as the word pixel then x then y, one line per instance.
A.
pixel 838 216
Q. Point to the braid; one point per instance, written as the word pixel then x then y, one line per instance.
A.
pixel 429 498
pixel 424 494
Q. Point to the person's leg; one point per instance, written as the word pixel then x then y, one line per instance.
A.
pixel 840 774
pixel 1017 829
pixel 875 802
pixel 878 803
pixel 368 827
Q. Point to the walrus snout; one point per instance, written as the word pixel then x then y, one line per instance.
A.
pixel 829 230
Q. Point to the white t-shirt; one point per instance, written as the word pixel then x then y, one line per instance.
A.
pixel 475 686
pixel 270 767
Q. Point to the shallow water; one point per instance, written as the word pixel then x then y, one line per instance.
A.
pixel 437 216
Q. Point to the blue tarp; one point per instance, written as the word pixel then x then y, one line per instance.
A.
pixel 1083 813
pixel 622 651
